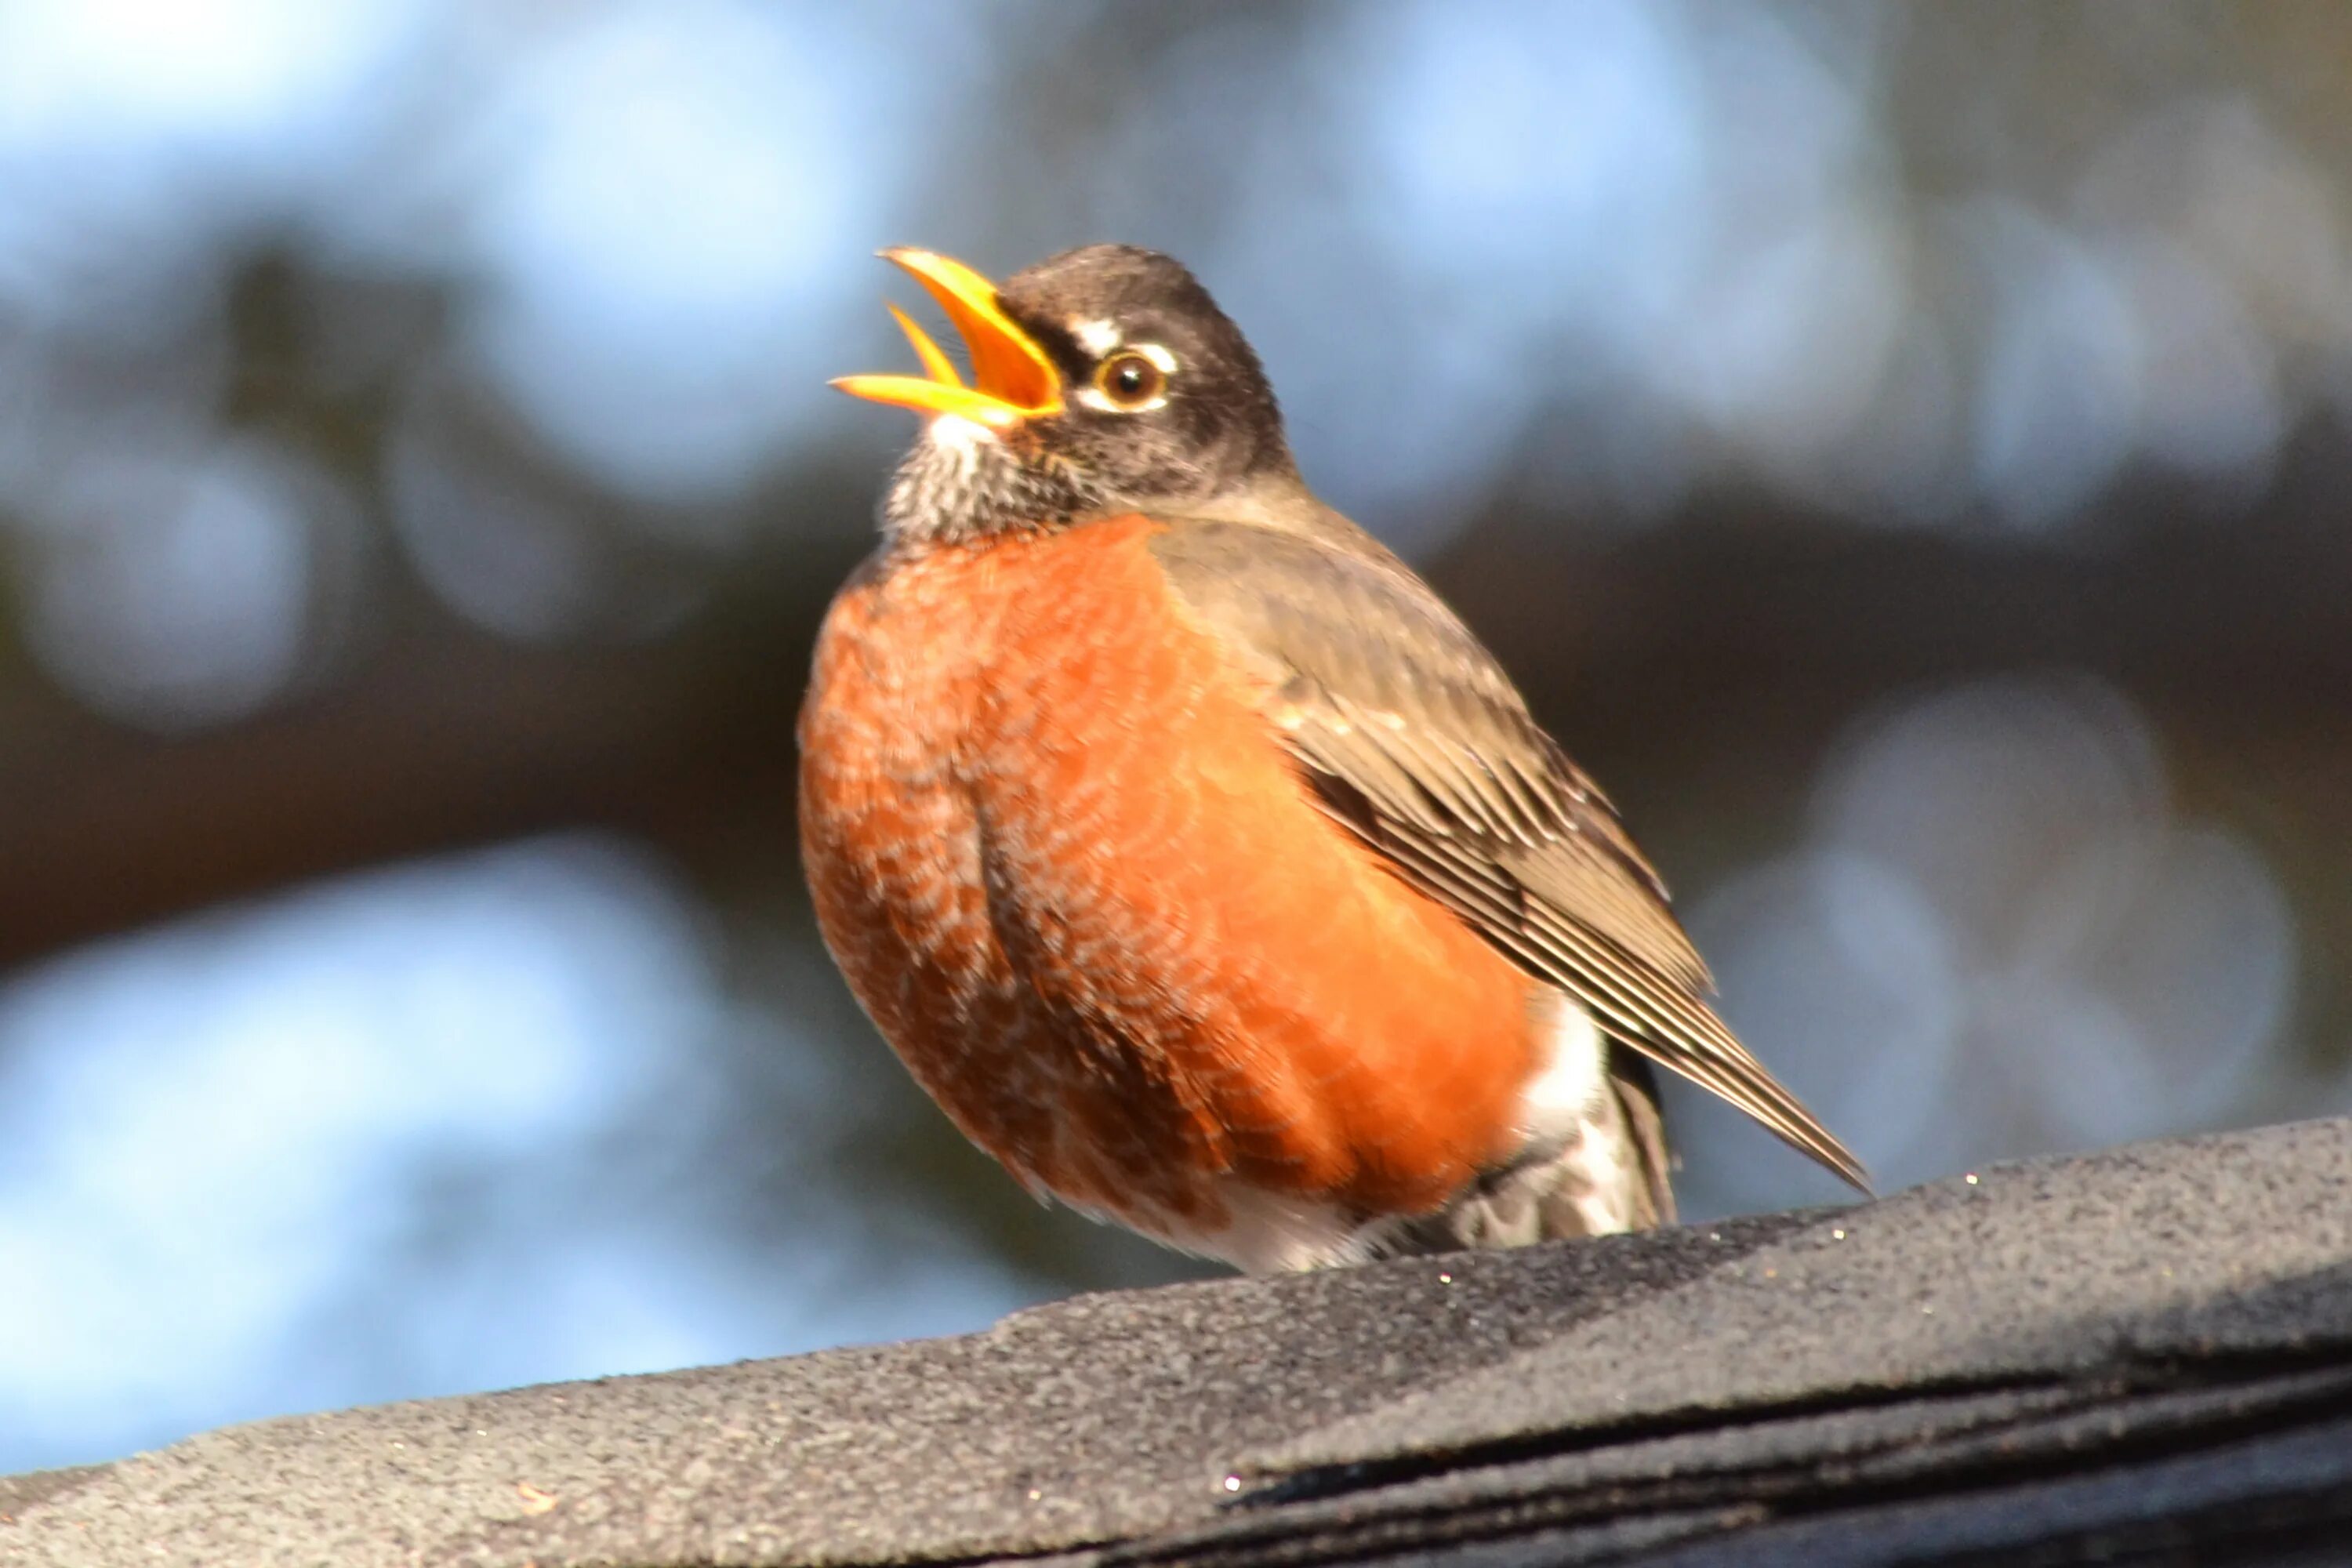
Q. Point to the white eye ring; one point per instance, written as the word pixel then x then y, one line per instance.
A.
pixel 1132 381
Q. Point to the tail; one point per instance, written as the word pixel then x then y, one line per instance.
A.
pixel 1612 1175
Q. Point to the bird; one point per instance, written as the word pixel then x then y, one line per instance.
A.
pixel 1191 853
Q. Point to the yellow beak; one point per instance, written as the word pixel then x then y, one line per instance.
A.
pixel 1015 379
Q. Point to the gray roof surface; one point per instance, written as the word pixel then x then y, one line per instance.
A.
pixel 2115 1353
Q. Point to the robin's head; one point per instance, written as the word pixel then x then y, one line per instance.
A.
pixel 1103 380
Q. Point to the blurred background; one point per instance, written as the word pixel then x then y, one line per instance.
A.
pixel 1904 452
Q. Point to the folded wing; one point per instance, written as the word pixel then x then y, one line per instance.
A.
pixel 1414 738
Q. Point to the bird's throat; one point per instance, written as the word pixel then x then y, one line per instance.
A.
pixel 961 481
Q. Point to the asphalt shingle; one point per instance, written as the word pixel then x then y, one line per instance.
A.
pixel 2169 1323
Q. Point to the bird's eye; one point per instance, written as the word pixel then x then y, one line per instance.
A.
pixel 1130 380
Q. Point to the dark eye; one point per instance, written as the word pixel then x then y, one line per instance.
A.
pixel 1130 380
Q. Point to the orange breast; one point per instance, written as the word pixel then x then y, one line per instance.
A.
pixel 1068 869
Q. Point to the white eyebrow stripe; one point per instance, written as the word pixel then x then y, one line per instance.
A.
pixel 1096 337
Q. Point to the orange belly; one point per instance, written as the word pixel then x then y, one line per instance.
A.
pixel 1069 871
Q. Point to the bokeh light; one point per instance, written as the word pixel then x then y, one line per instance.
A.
pixel 1999 938
pixel 433 1129
pixel 654 238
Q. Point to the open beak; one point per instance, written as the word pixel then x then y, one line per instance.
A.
pixel 1014 378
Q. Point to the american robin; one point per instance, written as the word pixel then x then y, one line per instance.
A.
pixel 1194 856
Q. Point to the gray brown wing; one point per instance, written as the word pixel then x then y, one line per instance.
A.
pixel 1414 739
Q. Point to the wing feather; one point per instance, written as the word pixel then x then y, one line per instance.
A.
pixel 1414 738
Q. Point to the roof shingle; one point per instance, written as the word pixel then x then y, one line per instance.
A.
pixel 2148 1345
